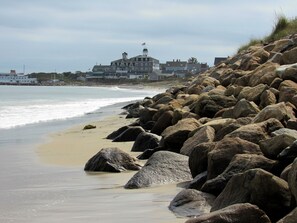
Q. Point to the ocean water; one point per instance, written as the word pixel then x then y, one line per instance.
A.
pixel 23 105
pixel 31 191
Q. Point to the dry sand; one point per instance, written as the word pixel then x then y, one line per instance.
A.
pixel 75 146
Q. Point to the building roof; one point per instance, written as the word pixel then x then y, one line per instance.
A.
pixel 218 60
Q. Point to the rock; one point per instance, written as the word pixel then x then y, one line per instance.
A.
pixel 149 125
pixel 287 91
pixel 287 72
pixel 273 146
pixel 238 164
pixel 198 181
pixel 289 154
pixel 236 213
pixel 289 218
pixel 218 124
pixel 163 122
pixel 116 133
pixel 285 131
pixel 276 83
pixel 162 167
pixel 256 132
pixel 130 134
pixel 267 98
pixel 190 202
pixel 252 93
pixel 290 56
pixel 149 152
pixel 204 134
pixel 146 114
pixel 245 108
pixel 285 173
pixel 163 100
pixel 220 157
pixel 111 160
pixel 292 179
pixel 226 130
pixel 263 74
pixel 259 187
pixel 198 158
pixel 209 104
pixel 175 136
pixel 278 111
pixel 89 127
pixel 145 141
pixel 292 124
pixel 133 110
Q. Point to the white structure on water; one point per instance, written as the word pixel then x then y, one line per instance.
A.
pixel 15 79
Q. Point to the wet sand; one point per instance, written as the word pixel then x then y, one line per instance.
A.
pixel 102 195
pixel 75 146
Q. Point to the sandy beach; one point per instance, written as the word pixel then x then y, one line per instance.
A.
pixel 73 147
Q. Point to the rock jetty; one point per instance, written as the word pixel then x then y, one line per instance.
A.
pixel 233 130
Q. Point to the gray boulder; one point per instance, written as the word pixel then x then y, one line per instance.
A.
pixel 236 213
pixel 204 134
pixel 145 141
pixel 118 132
pixel 111 160
pixel 190 202
pixel 245 108
pixel 162 167
pixel 259 187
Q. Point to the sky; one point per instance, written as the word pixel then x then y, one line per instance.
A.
pixel 75 35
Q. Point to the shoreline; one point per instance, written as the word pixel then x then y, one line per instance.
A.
pixel 74 146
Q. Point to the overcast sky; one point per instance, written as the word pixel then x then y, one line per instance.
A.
pixel 74 35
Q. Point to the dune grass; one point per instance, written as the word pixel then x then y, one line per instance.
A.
pixel 282 27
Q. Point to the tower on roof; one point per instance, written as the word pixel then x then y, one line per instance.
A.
pixel 145 52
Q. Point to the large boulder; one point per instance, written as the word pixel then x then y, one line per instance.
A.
pixel 257 131
pixel 289 218
pixel 209 104
pixel 190 202
pixel 118 132
pixel 236 213
pixel 175 136
pixel 259 187
pixel 273 146
pixel 290 56
pixel 204 134
pixel 162 167
pixel 287 72
pixel 289 154
pixel 239 164
pixel 163 122
pixel 267 98
pixel 287 91
pixel 111 160
pixel 226 130
pixel 220 157
pixel 198 158
pixel 278 111
pixel 146 141
pixel 292 179
pixel 130 134
pixel 146 114
pixel 245 108
pixel 252 93
pixel 263 74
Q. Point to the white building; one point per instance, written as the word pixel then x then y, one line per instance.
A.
pixel 14 78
